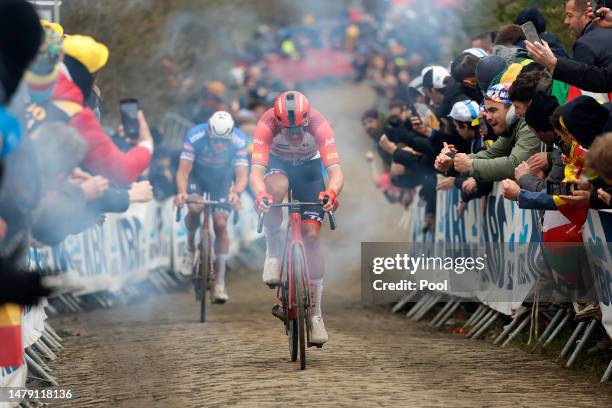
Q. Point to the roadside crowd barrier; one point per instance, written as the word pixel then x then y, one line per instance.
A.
pixel 105 262
pixel 511 284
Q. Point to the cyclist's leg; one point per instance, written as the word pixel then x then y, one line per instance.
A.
pixel 220 217
pixel 277 185
pixel 306 183
pixel 192 223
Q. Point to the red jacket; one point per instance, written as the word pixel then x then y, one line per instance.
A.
pixel 103 157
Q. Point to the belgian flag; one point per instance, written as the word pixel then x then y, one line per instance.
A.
pixel 11 349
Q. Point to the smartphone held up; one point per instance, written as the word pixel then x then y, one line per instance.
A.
pixel 531 34
pixel 129 108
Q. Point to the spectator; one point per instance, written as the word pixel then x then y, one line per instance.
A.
pixel 487 69
pixel 462 85
pixel 534 15
pixel 466 121
pixel 524 88
pixel 84 57
pixel 435 80
pixel 484 41
pixel 515 144
pixel 507 43
pixel 372 124
pixel 592 42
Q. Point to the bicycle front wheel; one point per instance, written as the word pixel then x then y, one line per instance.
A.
pixel 299 270
pixel 204 274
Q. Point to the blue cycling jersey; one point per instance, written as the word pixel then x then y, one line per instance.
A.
pixel 198 149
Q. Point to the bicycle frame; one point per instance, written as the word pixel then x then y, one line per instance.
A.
pixel 294 234
pixel 202 283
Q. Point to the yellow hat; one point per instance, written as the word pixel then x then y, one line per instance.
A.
pixel 92 54
pixel 54 26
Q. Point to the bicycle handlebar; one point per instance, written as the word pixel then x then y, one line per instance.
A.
pixel 332 219
pixel 216 203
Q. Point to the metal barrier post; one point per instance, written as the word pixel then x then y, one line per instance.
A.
pixel 558 329
pixel 485 327
pixel 516 332
pixel 448 314
pixel 571 340
pixel 480 322
pixel 474 316
pixel 553 322
pixel 581 343
pixel 442 312
pixel 421 313
pixel 404 301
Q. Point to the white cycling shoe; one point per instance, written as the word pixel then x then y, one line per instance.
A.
pixel 186 267
pixel 220 294
pixel 318 334
pixel 271 271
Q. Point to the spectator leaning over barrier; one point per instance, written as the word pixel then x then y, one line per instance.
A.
pixel 84 58
pixel 372 124
pixel 435 79
pixel 585 119
pixel 462 85
pixel 531 174
pixel 516 142
pixel 465 117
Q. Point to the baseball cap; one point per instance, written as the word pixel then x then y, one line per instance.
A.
pixel 466 111
pixel 478 52
pixel 434 77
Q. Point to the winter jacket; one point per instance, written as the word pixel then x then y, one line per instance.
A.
pixel 593 47
pixel 586 77
pixel 103 157
pixel 530 182
pixel 499 161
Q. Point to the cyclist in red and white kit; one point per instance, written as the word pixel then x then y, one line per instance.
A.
pixel 291 142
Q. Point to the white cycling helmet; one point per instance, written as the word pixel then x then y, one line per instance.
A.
pixel 221 125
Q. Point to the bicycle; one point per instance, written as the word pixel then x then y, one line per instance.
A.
pixel 203 276
pixel 294 287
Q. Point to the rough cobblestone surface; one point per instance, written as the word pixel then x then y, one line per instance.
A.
pixel 156 354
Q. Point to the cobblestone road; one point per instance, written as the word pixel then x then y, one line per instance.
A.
pixel 155 354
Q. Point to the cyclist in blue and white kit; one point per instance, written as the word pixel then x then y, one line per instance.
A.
pixel 213 154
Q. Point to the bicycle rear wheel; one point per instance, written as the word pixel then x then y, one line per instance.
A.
pixel 299 268
pixel 204 274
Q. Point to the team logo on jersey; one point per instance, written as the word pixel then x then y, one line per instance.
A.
pixel 329 142
pixel 332 156
pixel 257 155
pixel 197 136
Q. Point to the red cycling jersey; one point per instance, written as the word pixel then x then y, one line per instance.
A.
pixel 318 142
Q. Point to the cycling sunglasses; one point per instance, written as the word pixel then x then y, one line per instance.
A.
pixel 294 131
